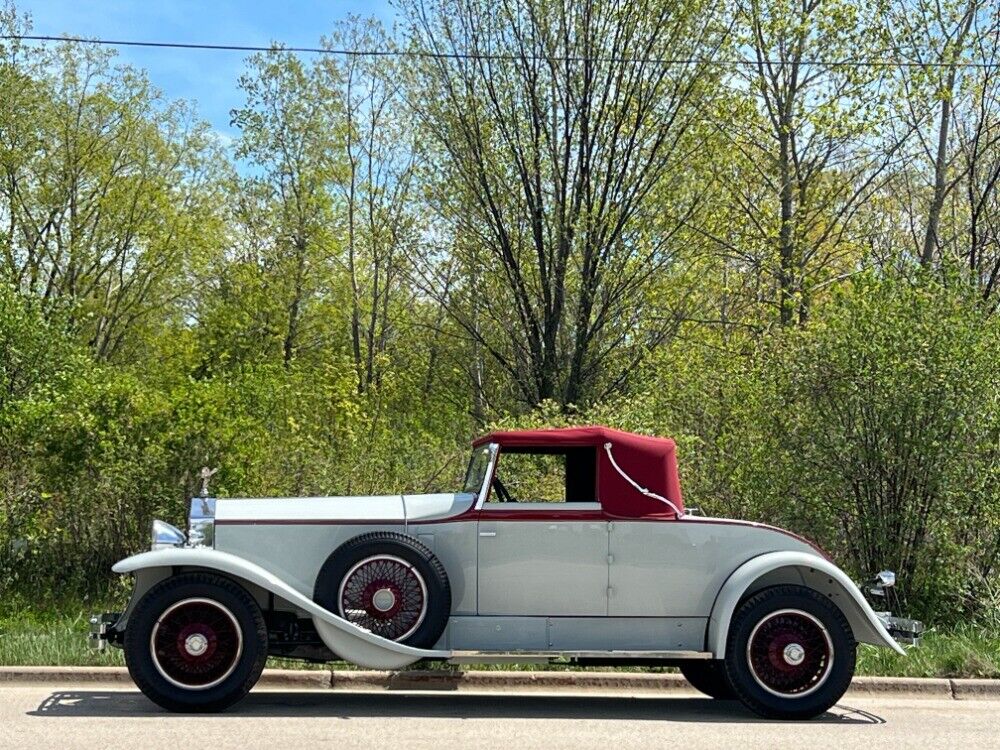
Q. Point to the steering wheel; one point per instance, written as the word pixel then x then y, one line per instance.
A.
pixel 502 492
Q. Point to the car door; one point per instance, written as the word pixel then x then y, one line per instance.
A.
pixel 658 569
pixel 541 560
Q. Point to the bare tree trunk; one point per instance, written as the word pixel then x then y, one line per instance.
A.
pixel 352 269
pixel 786 238
pixel 941 160
pixel 295 308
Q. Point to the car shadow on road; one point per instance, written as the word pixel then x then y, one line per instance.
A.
pixel 112 703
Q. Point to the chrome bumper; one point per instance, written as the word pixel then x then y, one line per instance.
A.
pixel 902 629
pixel 102 630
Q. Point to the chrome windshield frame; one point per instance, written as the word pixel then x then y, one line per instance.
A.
pixel 484 491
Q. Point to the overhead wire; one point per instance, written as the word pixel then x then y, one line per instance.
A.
pixel 477 56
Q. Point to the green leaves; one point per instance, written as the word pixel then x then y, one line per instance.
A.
pixel 884 427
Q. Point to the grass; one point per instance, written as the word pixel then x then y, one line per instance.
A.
pixel 57 637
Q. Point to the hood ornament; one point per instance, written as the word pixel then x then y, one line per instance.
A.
pixel 206 474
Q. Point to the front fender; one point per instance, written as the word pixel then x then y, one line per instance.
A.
pixel 345 639
pixel 802 568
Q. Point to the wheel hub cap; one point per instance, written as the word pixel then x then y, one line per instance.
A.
pixel 794 654
pixel 196 644
pixel 383 600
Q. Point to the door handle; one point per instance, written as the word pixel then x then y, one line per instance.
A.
pixel 487 533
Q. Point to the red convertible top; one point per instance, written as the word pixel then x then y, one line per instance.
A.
pixel 649 461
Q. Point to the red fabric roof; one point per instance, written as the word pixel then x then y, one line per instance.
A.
pixel 649 461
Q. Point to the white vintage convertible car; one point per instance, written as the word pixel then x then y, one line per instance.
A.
pixel 570 544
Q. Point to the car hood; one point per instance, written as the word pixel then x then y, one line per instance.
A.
pixel 376 509
pixel 436 507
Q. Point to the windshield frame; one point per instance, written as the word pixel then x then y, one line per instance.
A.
pixel 478 483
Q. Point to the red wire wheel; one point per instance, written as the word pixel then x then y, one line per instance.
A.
pixel 384 594
pixel 790 653
pixel 196 644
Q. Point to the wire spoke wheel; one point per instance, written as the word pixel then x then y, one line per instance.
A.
pixel 790 653
pixel 385 595
pixel 196 643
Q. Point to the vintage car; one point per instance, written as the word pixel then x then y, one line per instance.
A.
pixel 570 544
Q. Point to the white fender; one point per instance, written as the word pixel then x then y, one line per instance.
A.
pixel 807 570
pixel 345 639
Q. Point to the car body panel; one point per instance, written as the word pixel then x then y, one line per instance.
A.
pixel 454 544
pixel 806 570
pixel 437 507
pixel 675 569
pixel 575 634
pixel 311 510
pixel 343 638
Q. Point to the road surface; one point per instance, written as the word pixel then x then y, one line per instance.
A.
pixel 94 717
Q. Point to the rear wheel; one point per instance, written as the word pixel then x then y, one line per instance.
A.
pixel 708 677
pixel 196 642
pixel 790 653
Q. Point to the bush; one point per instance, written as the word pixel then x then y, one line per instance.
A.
pixel 873 429
pixel 90 453
pixel 881 421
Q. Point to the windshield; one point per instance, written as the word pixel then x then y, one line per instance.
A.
pixel 478 467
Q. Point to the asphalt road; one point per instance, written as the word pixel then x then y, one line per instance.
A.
pixel 96 717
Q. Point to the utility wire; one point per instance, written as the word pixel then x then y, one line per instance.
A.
pixel 850 63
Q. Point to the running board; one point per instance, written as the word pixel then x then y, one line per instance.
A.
pixel 542 657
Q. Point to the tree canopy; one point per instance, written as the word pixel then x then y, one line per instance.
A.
pixel 766 228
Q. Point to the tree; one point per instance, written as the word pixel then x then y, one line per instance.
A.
pixel 978 134
pixel 288 132
pixel 807 154
pixel 934 38
pixel 557 121
pixel 375 186
pixel 107 192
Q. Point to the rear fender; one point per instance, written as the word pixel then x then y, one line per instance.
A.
pixel 803 569
pixel 345 639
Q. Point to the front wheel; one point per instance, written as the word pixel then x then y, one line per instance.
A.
pixel 790 653
pixel 196 642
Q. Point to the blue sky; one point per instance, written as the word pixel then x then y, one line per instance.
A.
pixel 207 77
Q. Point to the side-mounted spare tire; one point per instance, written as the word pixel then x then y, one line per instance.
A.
pixel 387 583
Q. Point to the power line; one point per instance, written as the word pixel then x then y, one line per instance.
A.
pixel 849 63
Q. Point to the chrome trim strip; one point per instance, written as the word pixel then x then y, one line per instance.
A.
pixel 514 657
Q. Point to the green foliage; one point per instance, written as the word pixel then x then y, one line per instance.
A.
pixel 881 424
pixel 399 253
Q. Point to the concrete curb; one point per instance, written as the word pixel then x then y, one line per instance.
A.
pixel 446 680
pixel 30 675
pixel 926 687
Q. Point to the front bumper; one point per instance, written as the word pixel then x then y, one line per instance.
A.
pixel 103 631
pixel 902 629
